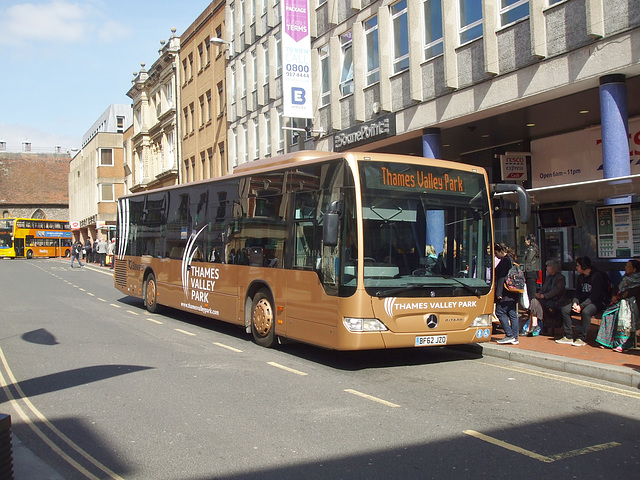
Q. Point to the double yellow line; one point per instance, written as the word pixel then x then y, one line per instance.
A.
pixel 16 404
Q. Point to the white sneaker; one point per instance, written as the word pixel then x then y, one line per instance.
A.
pixel 506 340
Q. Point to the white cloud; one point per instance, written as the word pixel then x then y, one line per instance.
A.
pixel 57 21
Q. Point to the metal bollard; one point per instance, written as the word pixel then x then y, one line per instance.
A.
pixel 6 452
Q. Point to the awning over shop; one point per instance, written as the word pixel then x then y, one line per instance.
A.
pixel 584 191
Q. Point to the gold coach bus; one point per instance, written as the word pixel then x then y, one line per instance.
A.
pixel 322 248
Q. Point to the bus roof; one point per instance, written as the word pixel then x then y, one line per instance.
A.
pixel 309 156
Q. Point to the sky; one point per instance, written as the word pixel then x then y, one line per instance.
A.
pixel 63 62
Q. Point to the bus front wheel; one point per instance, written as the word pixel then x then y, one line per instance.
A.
pixel 29 253
pixel 263 319
pixel 151 293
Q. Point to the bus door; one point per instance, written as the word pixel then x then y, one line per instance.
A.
pixel 18 245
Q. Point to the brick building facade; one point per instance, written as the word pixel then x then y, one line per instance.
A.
pixel 34 185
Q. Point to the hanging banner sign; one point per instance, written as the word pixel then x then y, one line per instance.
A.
pixel 296 55
pixel 514 165
pixel 74 224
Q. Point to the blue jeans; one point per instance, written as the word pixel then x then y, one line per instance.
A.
pixel 507 313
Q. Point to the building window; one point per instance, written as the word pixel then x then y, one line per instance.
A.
pixel 373 58
pixel 207 51
pixel 245 142
pixel 325 71
pixel 221 100
pixel 191 66
pixel 320 3
pixel 280 131
pixel 200 57
pixel 241 13
pixel 400 29
pixel 191 119
pixel 139 118
pixel 513 10
pixel 278 55
pixel 212 172
pixel 119 124
pixel 208 106
pixel 235 147
pixel 267 127
pixel 202 111
pixel 185 125
pixel 432 28
pixel 470 20
pixel 169 157
pixel 185 71
pixel 106 157
pixel 107 192
pixel 256 139
pixel 254 66
pixel 203 168
pixel 346 77
pixel 168 88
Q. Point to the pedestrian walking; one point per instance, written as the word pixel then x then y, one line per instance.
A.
pixel 506 301
pixel 76 250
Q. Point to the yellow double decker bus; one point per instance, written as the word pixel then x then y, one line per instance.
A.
pixel 34 237
pixel 345 251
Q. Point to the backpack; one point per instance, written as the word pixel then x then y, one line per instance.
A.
pixel 515 280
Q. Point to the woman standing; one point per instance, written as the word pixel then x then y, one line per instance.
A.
pixel 506 301
pixel 531 263
pixel 621 320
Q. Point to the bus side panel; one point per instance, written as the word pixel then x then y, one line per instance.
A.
pixel 203 288
pixel 310 314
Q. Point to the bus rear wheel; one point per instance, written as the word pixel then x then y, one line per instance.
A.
pixel 151 293
pixel 263 326
pixel 29 253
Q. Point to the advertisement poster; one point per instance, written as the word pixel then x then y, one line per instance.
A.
pixel 296 55
pixel 618 231
pixel 576 157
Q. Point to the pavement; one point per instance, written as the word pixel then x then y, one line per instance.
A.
pixel 542 351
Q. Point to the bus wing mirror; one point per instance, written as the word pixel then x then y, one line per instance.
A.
pixel 524 200
pixel 331 225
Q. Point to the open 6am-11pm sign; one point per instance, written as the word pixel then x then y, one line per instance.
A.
pixel 296 53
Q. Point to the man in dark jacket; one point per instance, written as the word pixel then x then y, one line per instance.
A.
pixel 592 296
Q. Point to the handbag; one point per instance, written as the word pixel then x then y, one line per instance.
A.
pixel 524 298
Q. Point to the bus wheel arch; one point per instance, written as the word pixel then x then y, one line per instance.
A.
pixel 261 315
pixel 150 291
pixel 67 253
pixel 29 253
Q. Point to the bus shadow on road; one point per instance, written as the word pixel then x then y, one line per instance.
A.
pixel 340 360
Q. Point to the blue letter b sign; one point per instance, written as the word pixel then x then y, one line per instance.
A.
pixel 297 96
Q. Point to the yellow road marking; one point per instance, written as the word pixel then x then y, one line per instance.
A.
pixel 573 381
pixel 369 397
pixel 537 456
pixel 227 347
pixel 114 305
pixel 185 332
pixel 25 418
pixel 82 289
pixel 291 370
pixel 155 321
pixel 90 294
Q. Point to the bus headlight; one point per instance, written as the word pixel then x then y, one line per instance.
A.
pixel 364 324
pixel 482 321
